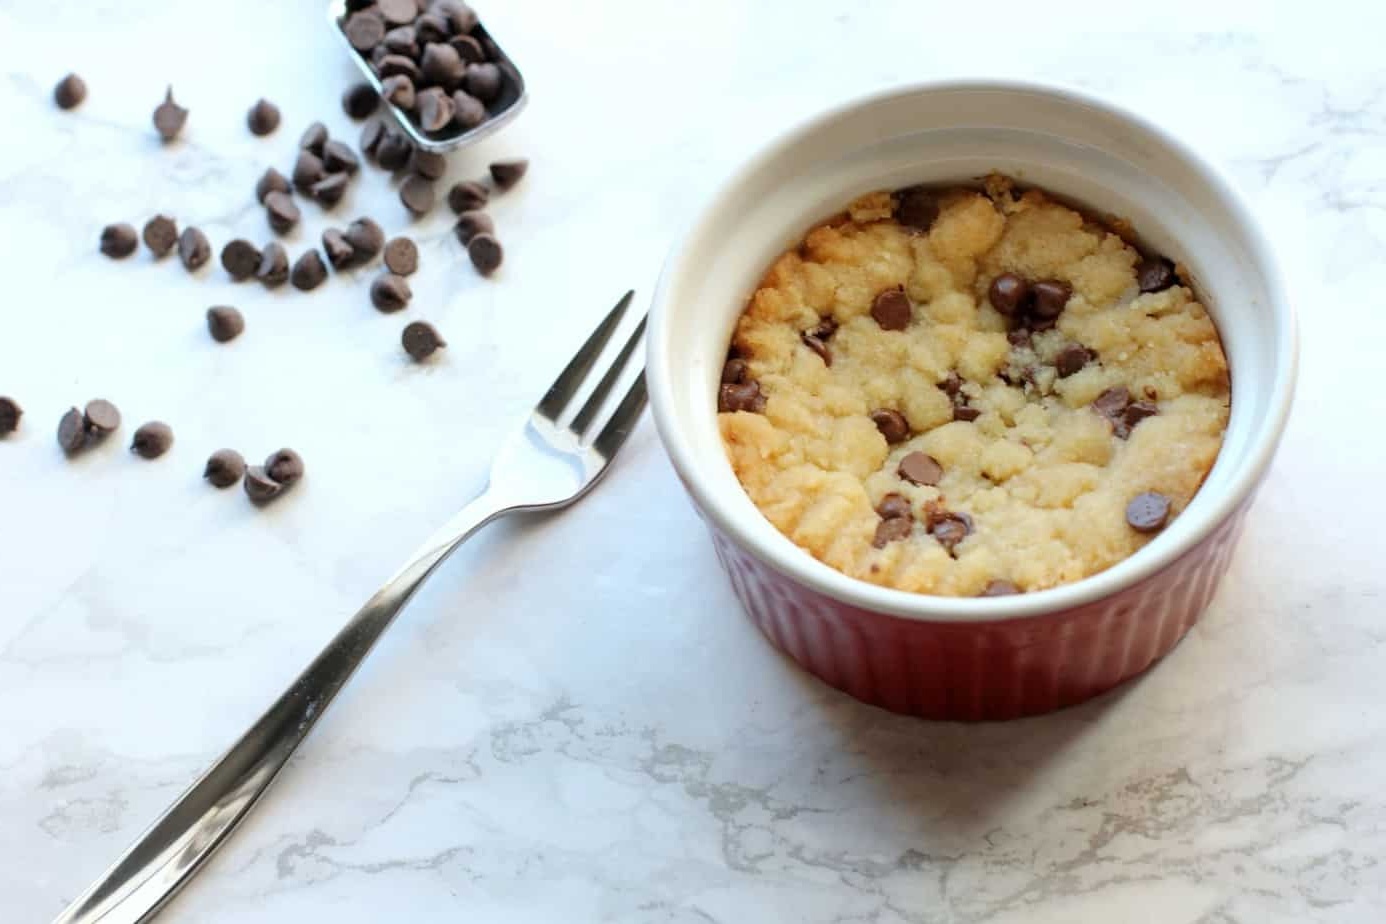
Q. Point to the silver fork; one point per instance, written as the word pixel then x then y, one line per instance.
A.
pixel 546 464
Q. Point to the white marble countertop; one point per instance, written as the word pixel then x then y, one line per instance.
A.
pixel 573 722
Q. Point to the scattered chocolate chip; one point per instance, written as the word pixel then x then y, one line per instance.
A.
pixel 818 345
pixel 308 272
pixel 483 81
pixel 240 259
pixel 360 100
pixel 1137 411
pixel 401 40
pixel 951 385
pixel 486 253
pixel 313 139
pixel 371 136
pixel 920 468
pixel 467 110
pixel 10 412
pixel 443 65
pixel 1071 358
pixel 506 173
pixel 152 440
pixel 432 27
pixel 281 210
pixel 891 309
pixel 892 530
pixel 999 588
pixel 894 506
pixel 271 181
pixel 467 196
pixel 400 66
pixel 365 29
pixel 398 90
pixel 366 239
pixel 169 118
pixel 284 466
pixel 1008 293
pixel 263 118
pixel 917 208
pixel 338 157
pixel 744 396
pixel 308 169
pixel 417 194
pixel 1148 512
pixel 70 92
pixel 160 235
pixel 429 164
pixel 421 341
pixel 1019 338
pixel 1155 274
pixel 395 151
pixel 398 12
pixel 224 323
pixel 194 249
pixel 119 240
pixel 273 270
pixel 224 468
pixel 468 48
pixel 402 256
pixel 1048 298
pixel 72 431
pixel 892 424
pixel 734 372
pixel 965 413
pixel 434 109
pixel 470 224
pixel 1112 402
pixel 260 487
pixel 329 190
pixel 101 418
pixel 950 529
pixel 390 293
pixel 339 251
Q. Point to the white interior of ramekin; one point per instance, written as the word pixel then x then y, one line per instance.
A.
pixel 1059 139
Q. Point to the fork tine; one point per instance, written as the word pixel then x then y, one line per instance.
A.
pixel 566 385
pixel 583 420
pixel 623 421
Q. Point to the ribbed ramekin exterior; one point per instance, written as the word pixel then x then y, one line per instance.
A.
pixel 990 670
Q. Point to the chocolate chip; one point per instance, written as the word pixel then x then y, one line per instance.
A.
pixel 917 208
pixel 430 164
pixel 160 235
pixel 734 372
pixel 401 40
pixel 894 506
pixel 273 270
pixel 999 588
pixel 470 224
pixel 920 468
pixel 224 468
pixel 281 210
pixel 1019 338
pixel 338 157
pixel 468 111
pixel 951 385
pixel 194 249
pixel 365 29
pixel 402 256
pixel 434 109
pixel 329 190
pixel 468 48
pixel 101 418
pixel 421 341
pixel 260 487
pixel 400 66
pixel 1137 411
pixel 70 92
pixel 965 413
pixel 1148 512
pixel 1155 274
pixel 745 396
pixel 339 251
pixel 224 323
pixel 390 293
pixel 308 169
pixel 366 239
pixel 892 424
pixel 10 412
pixel 371 136
pixel 360 100
pixel 892 530
pixel 240 259
pixel 817 345
pixel 417 194
pixel 506 173
pixel 119 240
pixel 152 440
pixel 459 15
pixel 1008 293
pixel 483 81
pixel 1112 402
pixel 271 181
pixel 394 151
pixel 950 529
pixel 313 139
pixel 284 466
pixel 398 12
pixel 308 272
pixel 398 90
pixel 1071 358
pixel 467 196
pixel 891 309
pixel 72 431
pixel 169 118
pixel 1049 297
pixel 432 27
pixel 263 118
pixel 443 65
pixel 486 253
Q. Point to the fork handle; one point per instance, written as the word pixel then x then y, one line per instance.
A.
pixel 167 855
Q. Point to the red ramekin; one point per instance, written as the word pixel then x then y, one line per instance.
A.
pixel 984 658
